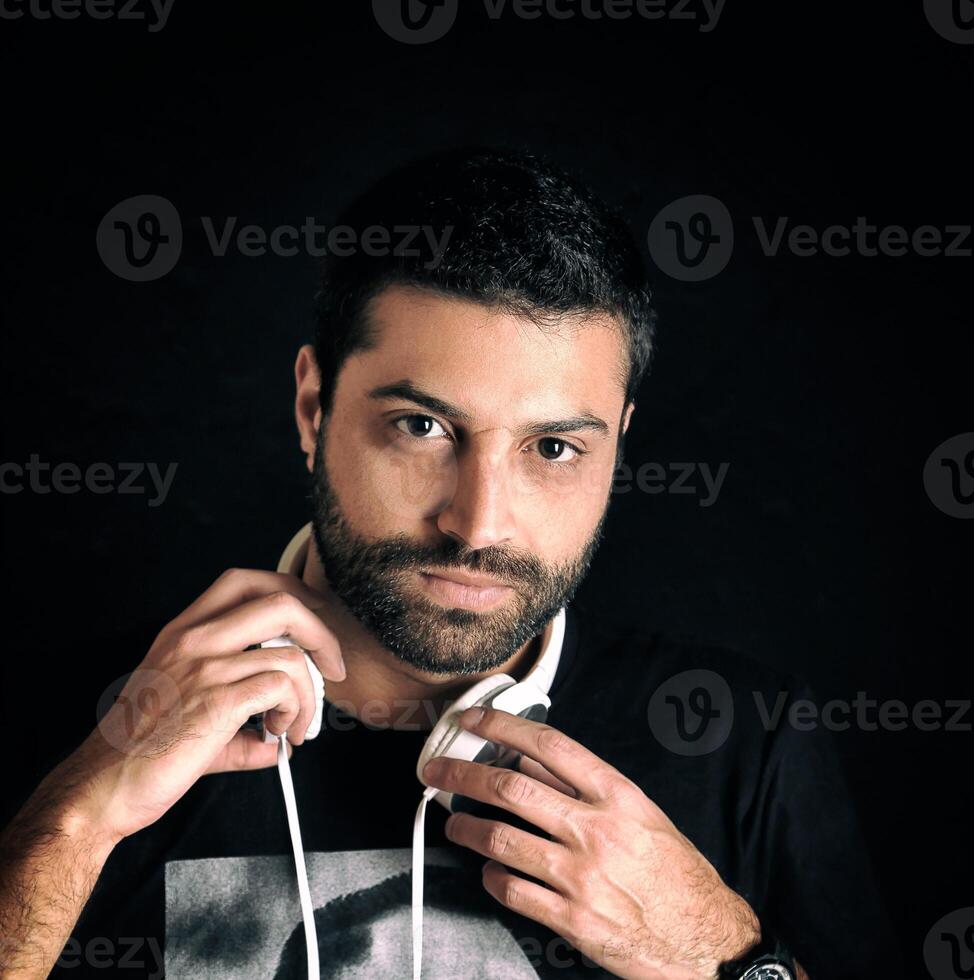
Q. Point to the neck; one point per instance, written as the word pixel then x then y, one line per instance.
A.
pixel 379 688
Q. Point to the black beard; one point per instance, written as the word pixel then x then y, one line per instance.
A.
pixel 370 578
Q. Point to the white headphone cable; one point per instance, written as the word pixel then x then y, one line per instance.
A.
pixel 307 909
pixel 419 829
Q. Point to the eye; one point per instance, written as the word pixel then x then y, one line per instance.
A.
pixel 554 450
pixel 420 426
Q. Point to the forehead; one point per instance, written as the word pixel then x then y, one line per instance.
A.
pixel 488 360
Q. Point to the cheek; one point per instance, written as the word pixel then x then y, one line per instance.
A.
pixel 558 513
pixel 583 485
pixel 383 485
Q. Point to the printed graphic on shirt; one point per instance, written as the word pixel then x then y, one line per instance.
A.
pixel 240 917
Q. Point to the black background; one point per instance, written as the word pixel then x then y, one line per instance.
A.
pixel 824 382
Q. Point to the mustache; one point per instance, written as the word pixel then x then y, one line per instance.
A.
pixel 401 553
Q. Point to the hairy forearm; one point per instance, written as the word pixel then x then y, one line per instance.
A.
pixel 50 857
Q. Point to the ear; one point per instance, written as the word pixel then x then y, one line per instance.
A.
pixel 627 415
pixel 307 406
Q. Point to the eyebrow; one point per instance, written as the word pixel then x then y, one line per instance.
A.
pixel 407 391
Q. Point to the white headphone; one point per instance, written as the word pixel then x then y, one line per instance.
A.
pixel 527 698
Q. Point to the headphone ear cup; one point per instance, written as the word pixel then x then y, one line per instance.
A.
pixel 446 731
pixel 447 738
pixel 317 681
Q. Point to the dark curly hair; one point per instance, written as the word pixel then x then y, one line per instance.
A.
pixel 523 237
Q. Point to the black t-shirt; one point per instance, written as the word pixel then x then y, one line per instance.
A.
pixel 704 732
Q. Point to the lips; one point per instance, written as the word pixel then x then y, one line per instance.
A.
pixel 473 592
pixel 472 581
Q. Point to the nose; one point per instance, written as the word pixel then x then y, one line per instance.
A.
pixel 479 513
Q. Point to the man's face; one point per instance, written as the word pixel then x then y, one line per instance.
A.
pixel 461 480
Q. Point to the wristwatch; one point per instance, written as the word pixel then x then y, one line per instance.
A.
pixel 769 960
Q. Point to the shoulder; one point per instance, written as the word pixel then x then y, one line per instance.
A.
pixel 641 690
pixel 641 660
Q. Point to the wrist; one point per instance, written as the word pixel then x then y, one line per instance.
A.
pixel 77 811
pixel 741 937
pixel 83 824
pixel 768 959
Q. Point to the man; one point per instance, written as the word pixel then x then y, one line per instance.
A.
pixel 461 414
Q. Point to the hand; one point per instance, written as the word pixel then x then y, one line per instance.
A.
pixel 180 712
pixel 621 883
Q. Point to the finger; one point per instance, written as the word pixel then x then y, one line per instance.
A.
pixel 229 706
pixel 537 771
pixel 236 666
pixel 537 803
pixel 275 614
pixel 527 898
pixel 516 848
pixel 245 751
pixel 562 756
pixel 239 585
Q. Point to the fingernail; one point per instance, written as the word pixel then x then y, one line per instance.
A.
pixel 431 769
pixel 472 717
